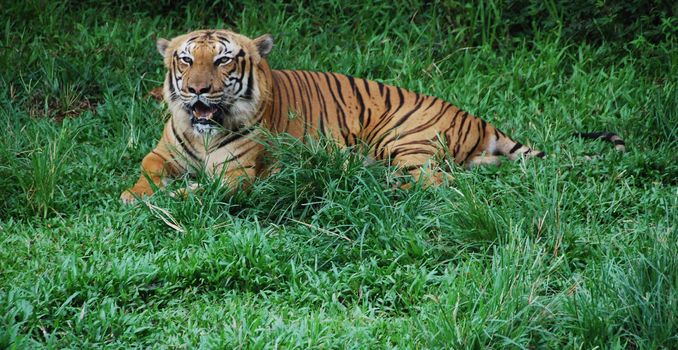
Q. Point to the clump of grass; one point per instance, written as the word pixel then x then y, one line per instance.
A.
pixel 15 314
pixel 499 302
pixel 304 174
pixel 469 218
pixel 633 301
pixel 40 170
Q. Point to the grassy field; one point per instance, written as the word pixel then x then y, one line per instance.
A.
pixel 562 252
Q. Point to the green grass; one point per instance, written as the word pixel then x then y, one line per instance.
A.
pixel 326 253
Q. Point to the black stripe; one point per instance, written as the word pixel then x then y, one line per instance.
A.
pixel 515 147
pixel 223 38
pixel 351 82
pixel 307 114
pixel 292 107
pixel 400 95
pixel 382 117
pixel 369 118
pixel 172 78
pixel 294 82
pixel 356 93
pixel 276 105
pixel 235 135
pixel 182 144
pixel 241 76
pixel 470 125
pixel 308 99
pixel 250 82
pixel 381 88
pixel 289 98
pixel 367 87
pixel 223 47
pixel 461 126
pixel 398 123
pixel 377 131
pixel 323 106
pixel 341 116
pixel 361 105
pixel 474 146
pixel 591 135
pixel 161 156
pixel 237 156
pixel 172 89
pixel 448 137
pixel 404 152
pixel 336 80
pixel 607 136
pixel 433 101
pixel 432 121
pixel 410 168
pixel 308 86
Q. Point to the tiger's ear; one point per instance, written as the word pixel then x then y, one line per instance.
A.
pixel 264 44
pixel 162 45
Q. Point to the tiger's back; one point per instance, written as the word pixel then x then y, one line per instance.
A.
pixel 400 126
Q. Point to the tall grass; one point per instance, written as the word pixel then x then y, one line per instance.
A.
pixel 41 171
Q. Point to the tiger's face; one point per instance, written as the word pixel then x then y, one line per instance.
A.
pixel 211 83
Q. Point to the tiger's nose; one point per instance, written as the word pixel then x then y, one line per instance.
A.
pixel 201 89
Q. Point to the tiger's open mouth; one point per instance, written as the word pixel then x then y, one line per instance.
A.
pixel 205 117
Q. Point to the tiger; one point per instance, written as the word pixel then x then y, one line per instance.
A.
pixel 223 97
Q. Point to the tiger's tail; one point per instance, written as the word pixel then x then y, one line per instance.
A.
pixel 501 144
pixel 617 141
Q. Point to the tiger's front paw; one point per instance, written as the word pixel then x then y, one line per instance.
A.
pixel 128 197
pixel 183 192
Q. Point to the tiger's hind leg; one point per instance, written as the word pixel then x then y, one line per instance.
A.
pixel 492 144
pixel 500 144
pixel 483 160
pixel 421 165
pixel 427 176
pixel 430 176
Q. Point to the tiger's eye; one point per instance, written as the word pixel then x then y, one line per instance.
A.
pixel 222 61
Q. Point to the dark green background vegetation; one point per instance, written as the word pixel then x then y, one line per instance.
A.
pixel 562 252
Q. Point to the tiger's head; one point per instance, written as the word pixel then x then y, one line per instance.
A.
pixel 211 82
